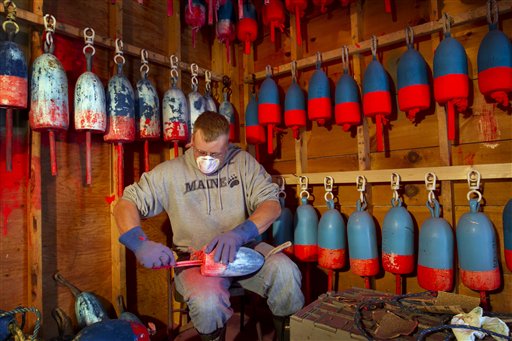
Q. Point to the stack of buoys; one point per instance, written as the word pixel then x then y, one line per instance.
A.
pixel 319 95
pixel 247 28
pixel 295 106
pixel 376 95
pixel 49 108
pixel 494 60
pixel 226 26
pixel 90 102
pixel 451 82
pixel 254 132
pixel 273 15
pixel 297 7
pixel 347 110
pixel 269 108
pixel 412 74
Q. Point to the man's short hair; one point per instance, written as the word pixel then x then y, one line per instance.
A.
pixel 212 125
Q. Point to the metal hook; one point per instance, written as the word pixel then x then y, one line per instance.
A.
pixel 492 12
pixel 446 23
pixel 361 187
pixel 49 23
pixel 374 46
pixel 293 66
pixel 144 68
pixel 318 59
pixel 119 52
pixel 344 58
pixel 281 183
pixel 303 181
pixel 430 184
pixel 174 62
pixel 474 179
pixel 89 40
pixel 268 71
pixel 194 69
pixel 395 185
pixel 409 36
pixel 10 8
pixel 328 182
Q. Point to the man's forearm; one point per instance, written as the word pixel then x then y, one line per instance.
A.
pixel 266 213
pixel 126 215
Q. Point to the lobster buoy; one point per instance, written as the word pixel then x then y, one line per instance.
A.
pixel 195 17
pixel 435 252
pixel 196 104
pixel 13 82
pixel 412 74
pixel 494 61
pixel 49 108
pixel 213 7
pixel 90 102
pixel 120 112
pixel 247 29
pixel 507 233
pixel 362 243
pixel 347 108
pixel 228 111
pixel 175 113
pixel 376 95
pixel 322 4
pixel 297 7
pixel 273 15
pixel 269 108
pixel 282 228
pixel 226 26
pixel 306 232
pixel 319 95
pixel 451 82
pixel 114 330
pixel 332 242
pixel 254 132
pixel 477 251
pixel 147 110
pixel 398 242
pixel 295 108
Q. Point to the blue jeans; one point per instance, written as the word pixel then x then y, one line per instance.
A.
pixel 208 297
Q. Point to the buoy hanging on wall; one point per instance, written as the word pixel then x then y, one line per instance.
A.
pixel 451 82
pixel 297 7
pixel 436 246
pixel 254 132
pixel 376 95
pixel 247 28
pixel 49 108
pixel 397 238
pixel 226 26
pixel 121 113
pixel 175 113
pixel 306 227
pixel 273 15
pixel 13 78
pixel 269 108
pixel 282 228
pixel 362 238
pixel 195 17
pixel 319 95
pixel 495 60
pixel 347 108
pixel 147 109
pixel 412 74
pixel 227 109
pixel 209 102
pixel 90 102
pixel 507 233
pixel 295 105
pixel 476 246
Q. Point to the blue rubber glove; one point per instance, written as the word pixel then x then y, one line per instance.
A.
pixel 149 253
pixel 227 244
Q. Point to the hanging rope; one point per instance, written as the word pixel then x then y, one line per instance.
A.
pixel 409 36
pixel 492 12
pixel 373 46
pixel 15 329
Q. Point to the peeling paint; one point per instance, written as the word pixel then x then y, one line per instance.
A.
pixel 90 103
pixel 120 110
pixel 13 76
pixel 147 110
pixel 175 115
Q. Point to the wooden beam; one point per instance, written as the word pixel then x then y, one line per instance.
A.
pixel 388 39
pixel 107 42
pixel 443 173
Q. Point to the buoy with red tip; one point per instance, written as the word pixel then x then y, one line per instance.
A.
pixel 376 95
pixel 436 246
pixel 332 240
pixel 273 15
pixel 295 105
pixel 362 238
pixel 319 95
pixel 90 102
pixel 347 108
pixel 322 4
pixel 226 26
pixel 297 7
pixel 254 132
pixel 209 102
pixel 13 78
pixel 494 60
pixel 269 108
pixel 121 113
pixel 175 113
pixel 213 7
pixel 476 246
pixel 247 28
pixel 196 104
pixel 412 74
pixel 306 227
pixel 398 238
pixel 228 111
pixel 49 108
pixel 195 17
pixel 147 109
pixel 451 82
pixel 507 233
pixel 282 228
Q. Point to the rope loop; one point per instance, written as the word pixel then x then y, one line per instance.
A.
pixel 492 12
pixel 318 59
pixel 344 58
pixel 409 36
pixel 447 23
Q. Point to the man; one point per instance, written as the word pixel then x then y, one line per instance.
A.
pixel 217 196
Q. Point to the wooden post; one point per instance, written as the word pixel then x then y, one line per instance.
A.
pixel 34 233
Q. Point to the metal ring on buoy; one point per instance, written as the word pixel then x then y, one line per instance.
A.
pixel 479 195
pixel 307 194
pixel 327 195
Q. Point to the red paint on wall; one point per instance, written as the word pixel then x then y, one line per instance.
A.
pixel 488 124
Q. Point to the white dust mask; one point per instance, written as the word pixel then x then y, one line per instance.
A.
pixel 207 164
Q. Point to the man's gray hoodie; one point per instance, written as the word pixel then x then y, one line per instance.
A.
pixel 200 206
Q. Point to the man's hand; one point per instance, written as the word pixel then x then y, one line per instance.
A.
pixel 149 253
pixel 227 244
